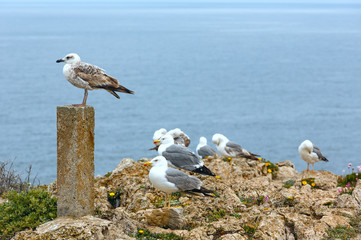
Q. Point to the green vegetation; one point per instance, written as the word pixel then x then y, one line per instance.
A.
pixel 144 234
pixel 108 174
pixel 114 196
pixel 350 179
pixel 250 230
pixel 341 232
pixel 25 210
pixel 236 215
pixel 289 201
pixel 289 183
pixel 309 181
pixel 254 200
pixel 271 168
pixel 216 215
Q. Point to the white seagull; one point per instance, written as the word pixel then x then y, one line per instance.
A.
pixel 310 153
pixel 172 180
pixel 89 77
pixel 180 137
pixel 156 136
pixel 203 149
pixel 231 149
pixel 181 156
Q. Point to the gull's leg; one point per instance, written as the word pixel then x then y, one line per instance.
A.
pixel 170 199
pixel 165 200
pixel 312 166
pixel 308 167
pixel 84 99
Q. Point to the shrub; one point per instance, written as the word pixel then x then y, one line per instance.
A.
pixel 146 234
pixel 341 232
pixel 25 210
pixel 11 180
pixel 216 215
pixel 289 183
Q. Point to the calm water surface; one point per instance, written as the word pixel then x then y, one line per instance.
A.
pixel 268 75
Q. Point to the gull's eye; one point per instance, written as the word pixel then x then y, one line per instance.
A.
pixel 155 160
pixel 68 57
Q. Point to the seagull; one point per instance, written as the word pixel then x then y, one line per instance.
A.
pixel 172 180
pixel 181 157
pixel 310 153
pixel 156 136
pixel 231 149
pixel 89 77
pixel 203 149
pixel 180 137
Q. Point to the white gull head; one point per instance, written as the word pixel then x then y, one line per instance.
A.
pixel 71 58
pixel 219 139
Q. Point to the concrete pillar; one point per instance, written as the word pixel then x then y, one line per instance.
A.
pixel 75 172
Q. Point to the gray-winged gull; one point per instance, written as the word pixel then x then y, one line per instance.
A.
pixel 156 136
pixel 203 149
pixel 172 180
pixel 310 153
pixel 231 149
pixel 89 77
pixel 181 156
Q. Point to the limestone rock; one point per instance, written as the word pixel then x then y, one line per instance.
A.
pixel 124 164
pixel 286 173
pixel 335 220
pixel 356 194
pixel 271 226
pixel 346 201
pixel 286 163
pixel 234 236
pixel 87 227
pixel 171 217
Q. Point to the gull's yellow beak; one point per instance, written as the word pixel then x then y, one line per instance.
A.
pixel 147 163
pixel 156 141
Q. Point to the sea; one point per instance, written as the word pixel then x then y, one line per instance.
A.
pixel 266 74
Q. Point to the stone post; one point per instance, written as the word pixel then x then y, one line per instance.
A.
pixel 75 170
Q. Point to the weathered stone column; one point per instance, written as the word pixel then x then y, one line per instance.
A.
pixel 75 180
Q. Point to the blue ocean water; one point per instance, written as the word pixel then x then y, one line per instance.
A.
pixel 267 74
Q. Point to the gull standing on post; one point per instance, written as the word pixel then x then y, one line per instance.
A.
pixel 172 180
pixel 231 149
pixel 310 153
pixel 89 77
pixel 203 149
pixel 181 156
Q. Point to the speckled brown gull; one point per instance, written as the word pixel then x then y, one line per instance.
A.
pixel 89 77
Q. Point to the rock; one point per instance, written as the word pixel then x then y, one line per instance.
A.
pixel 199 233
pixel 286 163
pixel 234 236
pixel 286 173
pixel 334 220
pixel 324 180
pixel 346 201
pixel 171 217
pixel 356 194
pixel 139 202
pixel 87 227
pixel 271 226
pixel 124 164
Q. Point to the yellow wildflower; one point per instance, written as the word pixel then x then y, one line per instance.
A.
pixel 218 177
pixel 141 231
pixel 266 208
pixel 111 194
pixel 269 170
pixel 304 182
pixel 291 198
pixel 313 184
pixel 229 158
pixel 267 164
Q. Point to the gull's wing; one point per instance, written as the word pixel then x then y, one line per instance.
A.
pixel 182 157
pixel 181 180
